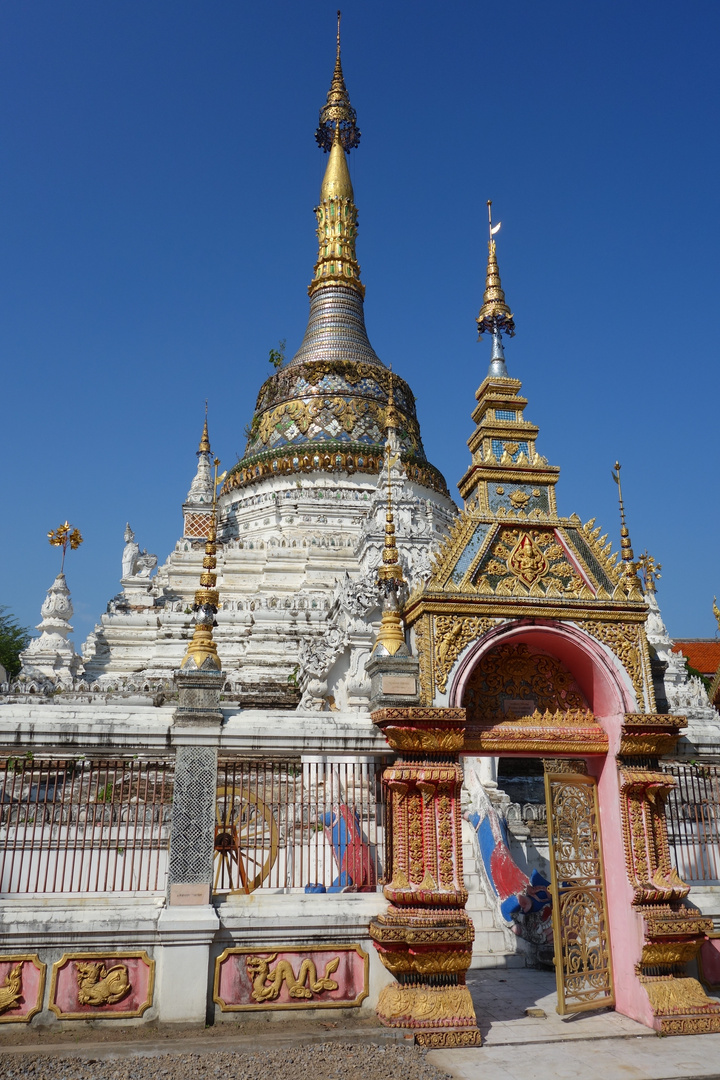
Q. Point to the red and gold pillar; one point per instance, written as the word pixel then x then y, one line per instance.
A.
pixel 425 937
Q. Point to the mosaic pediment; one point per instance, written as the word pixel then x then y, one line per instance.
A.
pixel 522 561
pixel 524 558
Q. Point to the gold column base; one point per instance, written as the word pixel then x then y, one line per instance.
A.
pixel 680 1005
pixel 428 1007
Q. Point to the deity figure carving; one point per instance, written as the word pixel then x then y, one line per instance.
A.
pixel 130 553
pixel 136 563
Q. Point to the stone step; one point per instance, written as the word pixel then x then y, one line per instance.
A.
pixel 482 917
pixel 497 960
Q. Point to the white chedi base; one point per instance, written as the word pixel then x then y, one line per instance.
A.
pixel 51 656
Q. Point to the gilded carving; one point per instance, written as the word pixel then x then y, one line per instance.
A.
pixel 624 640
pixel 538 741
pixel 431 740
pixel 568 766
pixel 11 989
pixel 426 1006
pixel 98 985
pixel 667 953
pixel 527 561
pixel 447 1039
pixel 523 561
pixel 423 645
pixel 86 985
pixel 267 982
pixel 669 994
pixel 22 988
pixel 647 851
pixel 512 681
pixel 580 923
pixel 432 962
pixel 451 636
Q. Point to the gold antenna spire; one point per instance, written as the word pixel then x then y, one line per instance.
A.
pixel 204 447
pixel 337 214
pixel 337 110
pixel 202 650
pixel 626 551
pixel 495 316
pixel 390 638
pixel 628 575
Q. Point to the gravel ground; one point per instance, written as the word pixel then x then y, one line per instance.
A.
pixel 326 1061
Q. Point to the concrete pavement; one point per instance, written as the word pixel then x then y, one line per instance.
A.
pixel 583 1046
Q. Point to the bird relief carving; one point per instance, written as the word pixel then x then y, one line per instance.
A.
pixel 11 989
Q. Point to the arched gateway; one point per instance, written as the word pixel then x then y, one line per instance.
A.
pixel 530 642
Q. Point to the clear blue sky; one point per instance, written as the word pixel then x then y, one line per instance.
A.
pixel 158 174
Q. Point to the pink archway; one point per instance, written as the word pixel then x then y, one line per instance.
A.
pixel 609 693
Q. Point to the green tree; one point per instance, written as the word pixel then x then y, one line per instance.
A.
pixel 277 356
pixel 13 639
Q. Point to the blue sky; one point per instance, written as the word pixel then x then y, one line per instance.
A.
pixel 157 183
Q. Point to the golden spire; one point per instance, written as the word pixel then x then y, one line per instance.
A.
pixel 337 112
pixel 628 575
pixel 337 214
pixel 716 611
pixel 204 447
pixel 202 650
pixel 495 316
pixel 391 637
pixel 336 182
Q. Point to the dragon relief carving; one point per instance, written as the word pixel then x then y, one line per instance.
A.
pixel 98 985
pixel 267 983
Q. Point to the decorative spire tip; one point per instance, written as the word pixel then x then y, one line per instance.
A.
pixel 337 112
pixel 495 316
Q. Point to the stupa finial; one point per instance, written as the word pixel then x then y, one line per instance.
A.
pixel 204 447
pixel 337 214
pixel 337 112
pixel 628 574
pixel 495 316
pixel 202 651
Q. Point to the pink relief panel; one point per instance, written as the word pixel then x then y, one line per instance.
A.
pixel 291 979
pixel 93 985
pixel 21 988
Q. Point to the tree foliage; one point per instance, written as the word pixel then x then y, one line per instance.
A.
pixel 13 639
pixel 277 356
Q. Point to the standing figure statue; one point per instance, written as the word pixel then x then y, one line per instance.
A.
pixel 130 553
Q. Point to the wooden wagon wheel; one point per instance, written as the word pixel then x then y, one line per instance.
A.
pixel 246 840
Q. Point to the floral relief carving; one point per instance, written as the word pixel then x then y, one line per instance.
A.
pixel 510 681
pixel 451 636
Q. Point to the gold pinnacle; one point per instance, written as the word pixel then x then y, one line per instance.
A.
pixel 494 314
pixel 202 647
